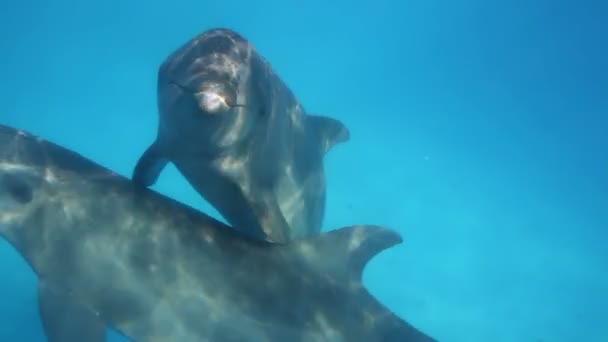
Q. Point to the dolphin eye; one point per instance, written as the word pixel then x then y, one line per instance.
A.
pixel 18 188
pixel 262 111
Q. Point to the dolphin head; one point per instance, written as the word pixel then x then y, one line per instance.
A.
pixel 35 181
pixel 22 176
pixel 211 90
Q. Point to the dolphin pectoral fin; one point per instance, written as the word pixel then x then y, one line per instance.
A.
pixel 331 131
pixel 63 320
pixel 353 247
pixel 149 166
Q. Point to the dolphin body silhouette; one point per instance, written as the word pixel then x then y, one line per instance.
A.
pixel 241 138
pixel 124 256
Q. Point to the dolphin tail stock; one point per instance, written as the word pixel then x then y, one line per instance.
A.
pixel 63 320
pixel 330 131
pixel 149 166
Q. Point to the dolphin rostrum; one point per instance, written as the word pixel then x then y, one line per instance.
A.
pixel 156 270
pixel 241 138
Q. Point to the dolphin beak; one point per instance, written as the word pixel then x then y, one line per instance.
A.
pixel 211 102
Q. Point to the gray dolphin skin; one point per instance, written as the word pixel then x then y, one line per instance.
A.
pixel 156 270
pixel 240 137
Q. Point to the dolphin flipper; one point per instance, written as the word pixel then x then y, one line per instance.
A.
pixel 63 320
pixel 149 166
pixel 331 131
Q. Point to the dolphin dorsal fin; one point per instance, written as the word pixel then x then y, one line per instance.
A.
pixel 345 252
pixel 330 131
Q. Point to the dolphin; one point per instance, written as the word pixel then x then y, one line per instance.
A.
pixel 241 138
pixel 155 269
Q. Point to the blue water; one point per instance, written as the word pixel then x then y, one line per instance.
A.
pixel 479 130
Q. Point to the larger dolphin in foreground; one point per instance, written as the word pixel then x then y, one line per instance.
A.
pixel 157 270
pixel 241 138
